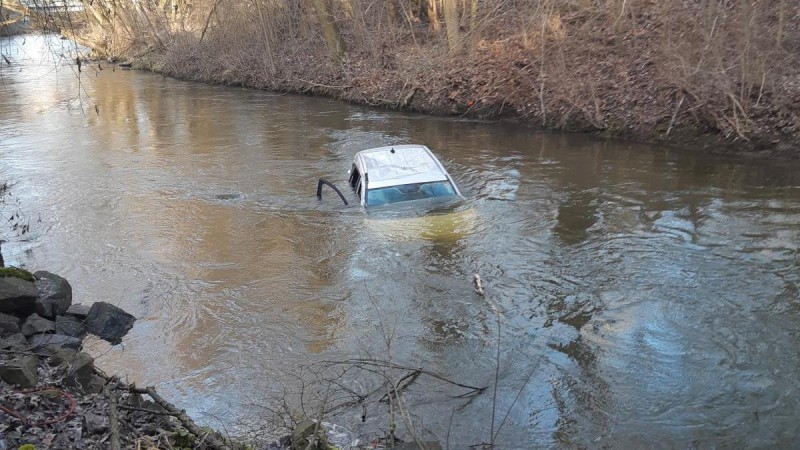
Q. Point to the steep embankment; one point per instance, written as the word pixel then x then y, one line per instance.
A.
pixel 714 76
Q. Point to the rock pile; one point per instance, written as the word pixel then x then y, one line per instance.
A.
pixel 52 395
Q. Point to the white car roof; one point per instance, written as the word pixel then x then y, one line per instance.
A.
pixel 399 164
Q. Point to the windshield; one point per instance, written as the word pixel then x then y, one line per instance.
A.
pixel 406 192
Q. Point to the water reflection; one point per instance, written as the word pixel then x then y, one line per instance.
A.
pixel 636 287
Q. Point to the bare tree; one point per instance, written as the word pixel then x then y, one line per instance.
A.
pixel 330 29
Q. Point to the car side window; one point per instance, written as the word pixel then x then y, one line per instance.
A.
pixel 355 177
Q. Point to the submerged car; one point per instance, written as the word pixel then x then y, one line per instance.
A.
pixel 409 194
pixel 395 174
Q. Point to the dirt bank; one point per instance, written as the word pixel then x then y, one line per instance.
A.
pixel 717 76
pixel 684 74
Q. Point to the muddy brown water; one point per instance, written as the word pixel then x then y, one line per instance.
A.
pixel 647 297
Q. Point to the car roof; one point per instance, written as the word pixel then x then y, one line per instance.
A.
pixel 399 164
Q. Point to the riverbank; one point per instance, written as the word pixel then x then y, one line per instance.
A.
pixel 53 395
pixel 637 75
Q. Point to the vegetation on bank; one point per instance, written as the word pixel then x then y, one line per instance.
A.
pixel 16 272
pixel 683 71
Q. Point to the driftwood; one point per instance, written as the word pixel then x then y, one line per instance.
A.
pixel 210 439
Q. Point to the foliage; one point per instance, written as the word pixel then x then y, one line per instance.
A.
pixel 16 273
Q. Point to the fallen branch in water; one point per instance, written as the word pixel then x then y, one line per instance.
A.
pixel 364 362
pixel 209 439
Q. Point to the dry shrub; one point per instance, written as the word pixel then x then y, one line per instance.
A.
pixel 643 67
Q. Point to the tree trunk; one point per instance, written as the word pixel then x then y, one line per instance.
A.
pixel 781 23
pixel 358 22
pixel 391 12
pixel 433 14
pixel 332 36
pixel 473 16
pixel 265 28
pixel 451 20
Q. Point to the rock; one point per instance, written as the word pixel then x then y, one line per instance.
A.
pixel 62 356
pixel 94 423
pixel 54 295
pixel 8 325
pixel 109 322
pixel 78 310
pixel 304 433
pixel 36 324
pixel 17 295
pixel 70 326
pixel 14 341
pixel 52 342
pixel 81 373
pixel 22 373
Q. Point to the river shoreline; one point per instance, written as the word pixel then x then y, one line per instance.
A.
pixel 53 395
pixel 688 138
pixel 639 111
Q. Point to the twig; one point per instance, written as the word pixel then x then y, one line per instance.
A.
pixel 113 417
pixel 402 384
pixel 347 86
pixel 151 411
pixel 379 363
pixel 675 114
pixel 211 440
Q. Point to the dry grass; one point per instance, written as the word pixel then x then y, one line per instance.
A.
pixel 652 69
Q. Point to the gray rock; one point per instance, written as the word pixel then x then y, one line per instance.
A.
pixel 81 374
pixel 62 356
pixel 78 310
pixel 14 341
pixel 35 324
pixel 50 343
pixel 17 295
pixel 70 326
pixel 109 322
pixel 8 325
pixel 81 367
pixel 303 435
pixel 94 423
pixel 54 294
pixel 22 373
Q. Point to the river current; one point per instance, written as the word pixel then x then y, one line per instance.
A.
pixel 646 297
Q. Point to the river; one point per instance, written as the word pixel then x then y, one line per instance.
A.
pixel 647 297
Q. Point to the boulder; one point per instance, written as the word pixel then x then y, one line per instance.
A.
pixel 78 310
pixel 22 373
pixel 81 374
pixel 8 325
pixel 62 356
pixel 94 423
pixel 36 324
pixel 17 295
pixel 54 294
pixel 50 343
pixel 304 438
pixel 70 326
pixel 109 322
pixel 14 341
